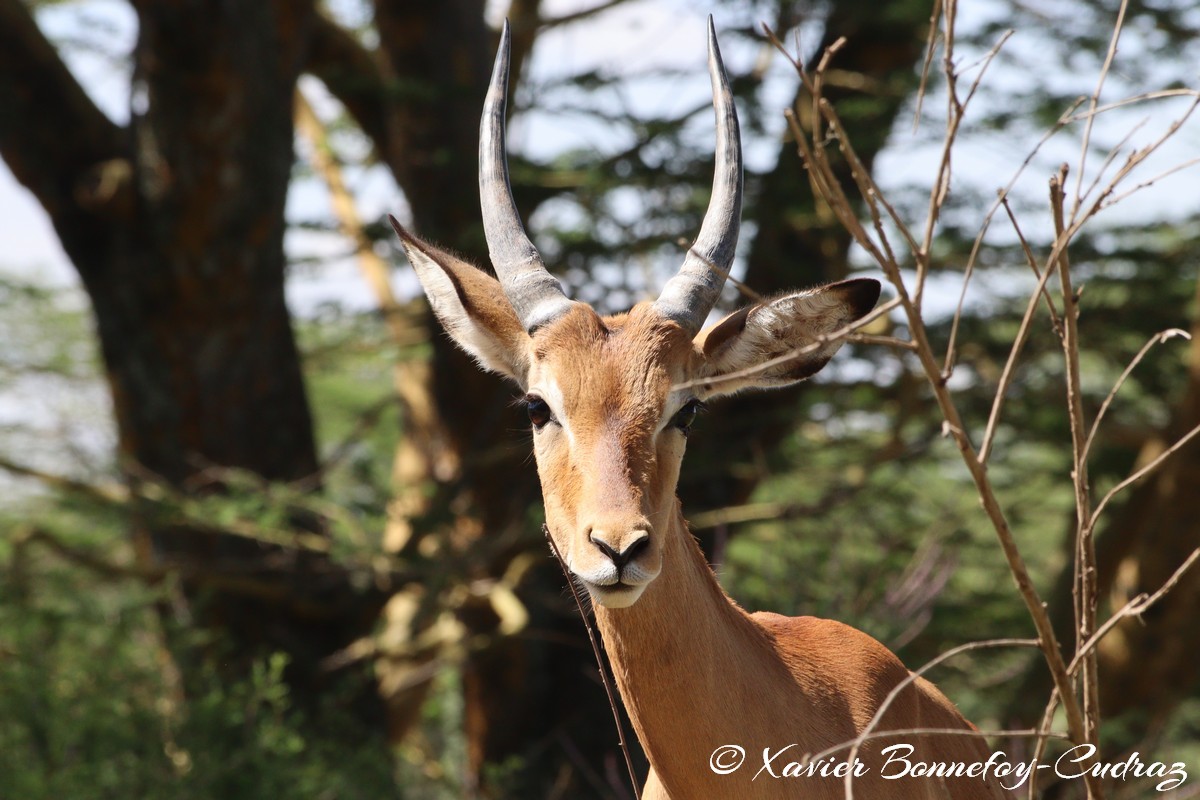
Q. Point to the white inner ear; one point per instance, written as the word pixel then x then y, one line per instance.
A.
pixel 478 342
pixel 786 326
pixel 443 299
pixel 771 331
pixel 810 314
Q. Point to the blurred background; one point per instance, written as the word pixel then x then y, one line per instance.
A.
pixel 265 533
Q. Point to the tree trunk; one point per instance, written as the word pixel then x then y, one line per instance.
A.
pixel 175 225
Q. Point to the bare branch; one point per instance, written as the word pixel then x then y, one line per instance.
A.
pixel 956 111
pixel 1001 196
pixel 1134 608
pixel 1032 261
pixel 1014 353
pixel 1094 101
pixel 821 175
pixel 1143 472
pixel 1085 553
pixel 581 14
pixel 1160 94
pixel 52 136
pixel 930 45
pixel 1114 199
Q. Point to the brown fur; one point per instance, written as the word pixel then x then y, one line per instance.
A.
pixel 695 671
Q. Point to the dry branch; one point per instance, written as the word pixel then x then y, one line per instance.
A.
pixel 1085 549
pixel 821 172
pixel 825 128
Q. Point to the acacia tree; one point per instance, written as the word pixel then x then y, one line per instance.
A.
pixel 175 225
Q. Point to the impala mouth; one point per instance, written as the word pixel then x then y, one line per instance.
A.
pixel 613 595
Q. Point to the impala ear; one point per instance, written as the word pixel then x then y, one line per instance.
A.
pixel 750 348
pixel 471 307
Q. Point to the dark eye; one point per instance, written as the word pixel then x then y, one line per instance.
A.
pixel 686 416
pixel 539 411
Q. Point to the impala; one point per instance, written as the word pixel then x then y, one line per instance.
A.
pixel 611 400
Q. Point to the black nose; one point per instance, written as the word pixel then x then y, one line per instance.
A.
pixel 623 557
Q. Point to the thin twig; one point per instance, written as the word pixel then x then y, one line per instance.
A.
pixel 1134 160
pixel 930 45
pixel 957 111
pixel 1157 338
pixel 713 382
pixel 746 291
pixel 882 341
pixel 576 16
pixel 1135 607
pixel 1160 94
pixel 1014 353
pixel 1032 261
pixel 1145 470
pixel 1094 101
pixel 1113 153
pixel 1112 200
pixel 952 342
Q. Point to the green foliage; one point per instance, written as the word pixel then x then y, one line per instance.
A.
pixel 90 706
pixel 90 703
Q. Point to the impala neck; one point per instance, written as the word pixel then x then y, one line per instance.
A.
pixel 690 664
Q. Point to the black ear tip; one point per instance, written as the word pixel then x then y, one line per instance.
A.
pixel 861 293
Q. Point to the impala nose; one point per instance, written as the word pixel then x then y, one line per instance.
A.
pixel 620 549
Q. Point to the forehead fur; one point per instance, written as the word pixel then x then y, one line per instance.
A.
pixel 624 359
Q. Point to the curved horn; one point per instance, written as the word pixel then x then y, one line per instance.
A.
pixel 534 293
pixel 693 291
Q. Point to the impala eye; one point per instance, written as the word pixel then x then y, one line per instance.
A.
pixel 538 410
pixel 685 417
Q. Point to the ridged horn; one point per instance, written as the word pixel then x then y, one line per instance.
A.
pixel 693 291
pixel 534 293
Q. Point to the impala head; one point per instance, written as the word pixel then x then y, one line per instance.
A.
pixel 611 399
